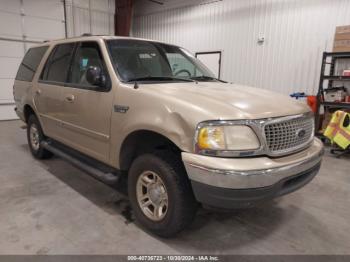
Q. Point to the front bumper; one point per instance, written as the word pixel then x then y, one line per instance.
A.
pixel 241 182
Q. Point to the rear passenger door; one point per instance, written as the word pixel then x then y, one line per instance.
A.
pixel 87 109
pixel 48 94
pixel 25 76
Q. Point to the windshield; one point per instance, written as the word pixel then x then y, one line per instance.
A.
pixel 145 60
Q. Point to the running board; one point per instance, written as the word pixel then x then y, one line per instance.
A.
pixel 108 178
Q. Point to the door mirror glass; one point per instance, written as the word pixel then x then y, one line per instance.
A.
pixel 95 76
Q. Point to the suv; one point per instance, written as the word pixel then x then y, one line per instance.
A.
pixel 151 114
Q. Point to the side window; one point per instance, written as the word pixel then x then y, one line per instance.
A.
pixel 88 54
pixel 30 63
pixel 57 65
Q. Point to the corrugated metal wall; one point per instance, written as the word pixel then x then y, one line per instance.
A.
pixel 296 33
pixel 90 16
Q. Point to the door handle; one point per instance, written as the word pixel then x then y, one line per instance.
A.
pixel 70 98
pixel 38 92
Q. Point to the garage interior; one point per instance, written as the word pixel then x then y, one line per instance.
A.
pixel 50 207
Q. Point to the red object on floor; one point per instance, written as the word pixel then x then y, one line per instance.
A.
pixel 312 102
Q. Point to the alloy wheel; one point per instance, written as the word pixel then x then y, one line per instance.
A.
pixel 152 195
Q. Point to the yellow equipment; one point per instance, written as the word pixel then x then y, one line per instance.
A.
pixel 338 129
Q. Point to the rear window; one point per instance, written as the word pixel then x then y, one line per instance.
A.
pixel 30 63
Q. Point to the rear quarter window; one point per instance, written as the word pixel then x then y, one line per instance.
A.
pixel 30 63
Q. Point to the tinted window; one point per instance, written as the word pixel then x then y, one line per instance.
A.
pixel 57 65
pixel 30 63
pixel 87 55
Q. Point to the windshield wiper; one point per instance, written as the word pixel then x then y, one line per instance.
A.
pixel 203 78
pixel 159 78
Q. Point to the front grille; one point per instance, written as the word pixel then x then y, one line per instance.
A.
pixel 289 135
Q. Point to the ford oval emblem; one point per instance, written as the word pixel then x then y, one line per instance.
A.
pixel 301 133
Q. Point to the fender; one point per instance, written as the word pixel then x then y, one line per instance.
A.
pixel 171 125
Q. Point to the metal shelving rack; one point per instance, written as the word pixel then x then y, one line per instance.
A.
pixel 331 78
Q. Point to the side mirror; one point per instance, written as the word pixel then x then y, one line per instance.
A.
pixel 95 76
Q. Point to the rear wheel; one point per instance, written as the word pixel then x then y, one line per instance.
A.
pixel 161 194
pixel 35 136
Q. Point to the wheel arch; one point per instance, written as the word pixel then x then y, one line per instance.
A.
pixel 27 111
pixel 144 141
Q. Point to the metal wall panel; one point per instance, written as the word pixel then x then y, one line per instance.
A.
pixel 42 19
pixel 10 25
pixel 25 22
pixel 22 24
pixel 13 6
pixel 296 33
pixel 51 9
pixel 100 24
pixel 90 16
pixel 142 7
pixel 10 56
pixel 40 29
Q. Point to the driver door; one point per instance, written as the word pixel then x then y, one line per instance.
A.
pixel 87 108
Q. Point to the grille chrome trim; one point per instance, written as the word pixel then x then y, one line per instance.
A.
pixel 282 137
pixel 258 127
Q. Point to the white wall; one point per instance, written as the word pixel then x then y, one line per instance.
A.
pixel 296 33
pixel 23 23
pixel 90 16
pixel 142 7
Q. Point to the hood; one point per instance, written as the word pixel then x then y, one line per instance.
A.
pixel 228 101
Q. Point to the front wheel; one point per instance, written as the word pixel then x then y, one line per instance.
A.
pixel 161 194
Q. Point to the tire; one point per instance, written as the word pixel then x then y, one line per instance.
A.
pixel 181 204
pixel 34 129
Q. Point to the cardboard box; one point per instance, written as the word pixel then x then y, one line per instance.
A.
pixel 341 45
pixel 341 49
pixel 342 29
pixel 345 36
pixel 342 39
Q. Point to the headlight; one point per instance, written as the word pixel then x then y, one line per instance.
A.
pixel 211 139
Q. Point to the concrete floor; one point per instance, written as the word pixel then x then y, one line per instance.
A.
pixel 50 207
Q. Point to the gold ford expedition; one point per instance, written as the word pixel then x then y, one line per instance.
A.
pixel 152 115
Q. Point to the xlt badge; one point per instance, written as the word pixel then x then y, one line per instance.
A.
pixel 120 109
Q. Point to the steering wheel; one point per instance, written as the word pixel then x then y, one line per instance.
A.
pixel 183 71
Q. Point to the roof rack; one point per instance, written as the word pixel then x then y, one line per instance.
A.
pixel 72 37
